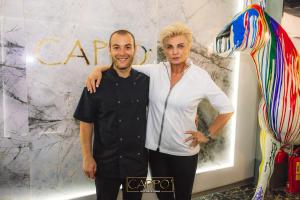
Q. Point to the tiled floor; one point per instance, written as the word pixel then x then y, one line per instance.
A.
pixel 245 192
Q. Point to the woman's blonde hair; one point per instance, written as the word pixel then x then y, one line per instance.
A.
pixel 175 29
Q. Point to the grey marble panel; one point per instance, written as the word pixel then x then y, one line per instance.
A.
pixel 1 79
pixel 14 83
pixel 12 8
pixel 15 167
pixel 14 141
pixel 56 159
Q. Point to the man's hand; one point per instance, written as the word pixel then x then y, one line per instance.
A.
pixel 196 137
pixel 89 167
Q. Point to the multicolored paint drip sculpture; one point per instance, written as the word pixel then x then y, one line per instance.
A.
pixel 278 72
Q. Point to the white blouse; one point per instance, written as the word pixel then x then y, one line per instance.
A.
pixel 172 112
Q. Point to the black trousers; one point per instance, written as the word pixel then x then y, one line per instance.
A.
pixel 108 189
pixel 181 168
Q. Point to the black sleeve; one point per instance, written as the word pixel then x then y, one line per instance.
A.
pixel 148 85
pixel 86 109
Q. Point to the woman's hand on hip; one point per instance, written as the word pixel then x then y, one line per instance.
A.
pixel 196 137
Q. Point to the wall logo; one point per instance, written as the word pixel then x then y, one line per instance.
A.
pixel 156 184
pixel 77 51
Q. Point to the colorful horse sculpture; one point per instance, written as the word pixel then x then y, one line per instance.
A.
pixel 278 72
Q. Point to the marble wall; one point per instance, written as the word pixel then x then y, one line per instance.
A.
pixel 47 50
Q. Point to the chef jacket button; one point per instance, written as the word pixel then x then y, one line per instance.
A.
pixel 120 156
pixel 121 139
pixel 134 83
pixel 138 136
pixel 138 153
pixel 137 118
pixel 120 120
pixel 118 102
pixel 137 100
pixel 116 84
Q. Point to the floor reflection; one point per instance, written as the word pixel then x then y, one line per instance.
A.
pixel 245 192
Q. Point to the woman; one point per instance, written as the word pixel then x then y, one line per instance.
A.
pixel 176 88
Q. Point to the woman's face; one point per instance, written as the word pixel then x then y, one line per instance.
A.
pixel 176 49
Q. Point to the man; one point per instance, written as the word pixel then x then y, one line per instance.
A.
pixel 117 114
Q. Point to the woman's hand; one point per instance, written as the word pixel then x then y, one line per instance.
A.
pixel 94 78
pixel 196 137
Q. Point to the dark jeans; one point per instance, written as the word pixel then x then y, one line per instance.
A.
pixel 108 189
pixel 181 168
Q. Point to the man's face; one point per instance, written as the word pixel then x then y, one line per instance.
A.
pixel 122 50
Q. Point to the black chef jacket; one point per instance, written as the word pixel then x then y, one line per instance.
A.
pixel 118 111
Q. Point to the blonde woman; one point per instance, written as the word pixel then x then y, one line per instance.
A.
pixel 176 88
